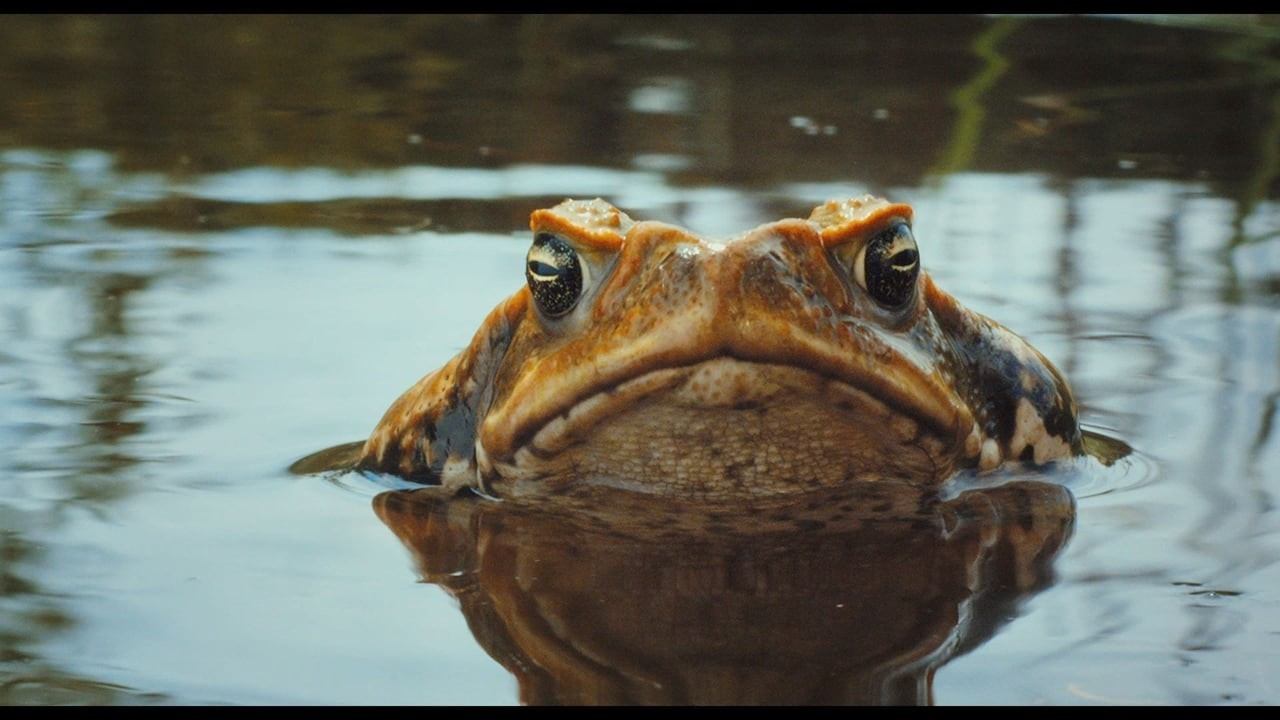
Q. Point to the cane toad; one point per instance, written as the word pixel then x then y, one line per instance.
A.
pixel 802 354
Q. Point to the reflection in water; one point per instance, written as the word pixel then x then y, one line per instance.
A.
pixel 206 223
pixel 850 597
pixel 86 404
pixel 967 99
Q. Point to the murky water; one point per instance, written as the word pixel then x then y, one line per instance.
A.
pixel 228 242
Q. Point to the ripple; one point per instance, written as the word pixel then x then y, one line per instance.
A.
pixel 336 465
pixel 338 458
pixel 1109 465
pixel 367 484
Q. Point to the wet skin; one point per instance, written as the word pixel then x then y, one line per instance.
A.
pixel 803 354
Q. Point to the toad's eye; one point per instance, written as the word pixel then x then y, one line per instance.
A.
pixel 888 265
pixel 555 274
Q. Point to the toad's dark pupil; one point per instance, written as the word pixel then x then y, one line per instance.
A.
pixel 554 275
pixel 891 279
pixel 904 259
pixel 542 269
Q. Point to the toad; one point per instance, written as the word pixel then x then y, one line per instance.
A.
pixel 803 354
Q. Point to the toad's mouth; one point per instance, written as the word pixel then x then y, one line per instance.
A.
pixel 726 421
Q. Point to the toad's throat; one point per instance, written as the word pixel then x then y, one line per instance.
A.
pixel 752 422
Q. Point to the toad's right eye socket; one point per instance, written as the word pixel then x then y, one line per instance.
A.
pixel 555 274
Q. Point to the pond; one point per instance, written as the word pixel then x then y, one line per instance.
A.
pixel 228 242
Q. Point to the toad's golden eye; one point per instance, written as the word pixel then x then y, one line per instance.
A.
pixel 555 275
pixel 888 265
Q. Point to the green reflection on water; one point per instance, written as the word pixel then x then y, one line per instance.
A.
pixel 966 131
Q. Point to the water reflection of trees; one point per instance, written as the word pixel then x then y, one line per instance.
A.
pixel 77 421
pixel 209 93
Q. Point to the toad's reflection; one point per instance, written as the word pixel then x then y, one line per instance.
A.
pixel 849 597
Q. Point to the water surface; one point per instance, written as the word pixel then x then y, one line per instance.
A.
pixel 227 242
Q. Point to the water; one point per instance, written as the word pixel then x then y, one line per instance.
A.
pixel 229 242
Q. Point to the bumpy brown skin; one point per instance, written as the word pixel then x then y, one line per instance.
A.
pixel 754 367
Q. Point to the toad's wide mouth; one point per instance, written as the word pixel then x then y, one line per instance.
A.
pixel 739 420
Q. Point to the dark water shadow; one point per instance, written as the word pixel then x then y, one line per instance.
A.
pixel 1104 448
pixel 849 597
pixel 331 459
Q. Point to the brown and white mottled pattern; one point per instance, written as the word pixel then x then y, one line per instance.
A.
pixel 755 366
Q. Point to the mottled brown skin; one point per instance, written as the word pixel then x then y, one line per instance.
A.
pixel 754 367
